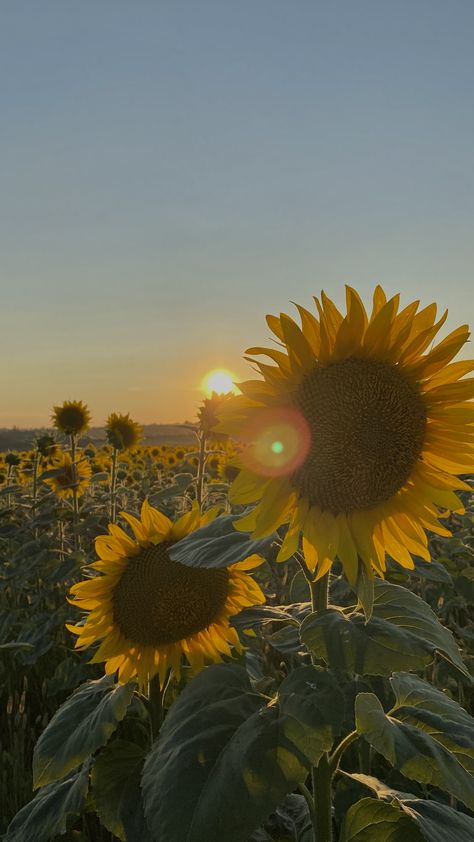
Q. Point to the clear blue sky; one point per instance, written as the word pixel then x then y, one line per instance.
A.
pixel 170 171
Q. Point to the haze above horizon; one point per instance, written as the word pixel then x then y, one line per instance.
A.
pixel 172 172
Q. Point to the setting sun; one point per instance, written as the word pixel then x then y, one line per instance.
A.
pixel 219 380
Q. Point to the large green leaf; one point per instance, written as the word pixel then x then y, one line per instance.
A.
pixel 224 760
pixel 82 724
pixel 376 821
pixel 436 822
pixel 313 707
pixel 420 704
pixel 403 634
pixel 46 815
pixel 116 778
pixel 417 755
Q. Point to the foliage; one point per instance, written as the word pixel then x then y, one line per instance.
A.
pixel 381 693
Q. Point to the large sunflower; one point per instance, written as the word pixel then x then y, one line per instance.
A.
pixel 356 435
pixel 149 611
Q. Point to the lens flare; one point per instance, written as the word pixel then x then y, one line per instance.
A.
pixel 278 442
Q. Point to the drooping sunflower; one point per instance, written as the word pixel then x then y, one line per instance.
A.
pixel 73 476
pixel 72 417
pixel 356 437
pixel 148 611
pixel 122 432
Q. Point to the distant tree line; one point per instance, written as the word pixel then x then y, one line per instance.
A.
pixel 23 439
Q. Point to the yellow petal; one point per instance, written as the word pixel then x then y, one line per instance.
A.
pixel 449 374
pixel 379 300
pixel 299 350
pixel 248 487
pixel 157 522
pixel 187 523
pixel 137 527
pixel 273 323
pixel 346 550
pixel 277 502
pixel 291 540
pixel 310 328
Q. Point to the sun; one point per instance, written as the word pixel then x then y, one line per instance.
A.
pixel 219 380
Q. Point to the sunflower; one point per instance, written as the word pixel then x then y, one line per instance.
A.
pixel 356 436
pixel 208 414
pixel 72 418
pixel 46 445
pixel 73 476
pixel 12 459
pixel 148 610
pixel 122 433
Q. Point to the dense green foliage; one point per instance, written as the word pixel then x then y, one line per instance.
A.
pixel 388 701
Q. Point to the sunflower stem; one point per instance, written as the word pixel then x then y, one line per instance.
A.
pixel 155 698
pixel 75 499
pixel 201 468
pixel 35 486
pixel 309 800
pixel 113 487
pixel 335 757
pixel 302 563
pixel 322 773
pixel 319 593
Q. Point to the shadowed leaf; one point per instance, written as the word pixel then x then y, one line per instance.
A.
pixel 82 724
pixel 412 751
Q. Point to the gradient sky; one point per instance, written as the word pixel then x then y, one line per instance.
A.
pixel 170 171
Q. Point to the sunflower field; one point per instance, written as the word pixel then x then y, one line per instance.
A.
pixel 263 636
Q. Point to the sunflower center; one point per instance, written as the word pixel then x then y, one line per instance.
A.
pixel 159 601
pixel 367 425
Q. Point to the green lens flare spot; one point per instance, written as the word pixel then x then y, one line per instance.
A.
pixel 277 447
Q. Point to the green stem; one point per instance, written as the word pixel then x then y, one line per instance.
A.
pixel 35 477
pixel 335 757
pixel 322 773
pixel 322 796
pixel 319 593
pixel 201 468
pixel 302 563
pixel 155 698
pixel 9 481
pixel 35 486
pixel 113 487
pixel 309 800
pixel 75 499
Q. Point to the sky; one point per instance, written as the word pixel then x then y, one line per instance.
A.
pixel 171 171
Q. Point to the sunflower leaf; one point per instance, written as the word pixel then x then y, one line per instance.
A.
pixel 180 483
pixel 437 822
pixel 116 788
pixel 312 702
pixel 82 724
pixel 412 751
pixel 431 710
pixel 403 634
pixel 222 744
pixel 217 544
pixel 46 815
pixel 370 820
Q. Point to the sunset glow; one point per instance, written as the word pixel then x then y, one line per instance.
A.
pixel 219 380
